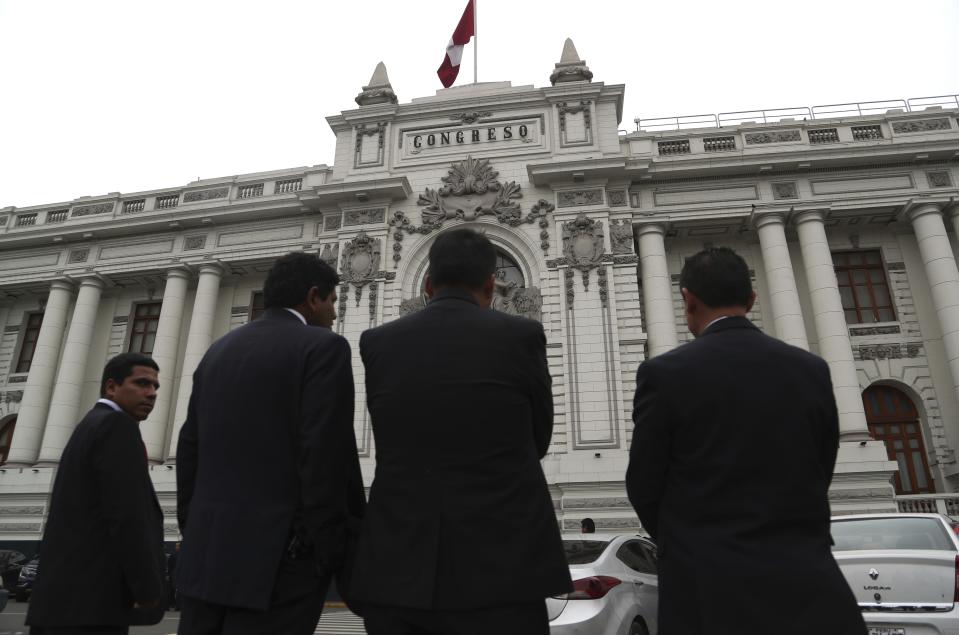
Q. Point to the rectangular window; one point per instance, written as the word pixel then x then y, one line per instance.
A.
pixel 146 317
pixel 863 287
pixel 31 333
pixel 256 305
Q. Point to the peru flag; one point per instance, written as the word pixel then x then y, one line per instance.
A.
pixel 465 30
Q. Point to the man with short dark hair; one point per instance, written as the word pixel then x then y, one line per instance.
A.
pixel 732 455
pixel 102 564
pixel 267 469
pixel 587 526
pixel 460 537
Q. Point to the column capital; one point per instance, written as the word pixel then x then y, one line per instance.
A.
pixel 93 280
pixel 63 284
pixel 761 218
pixel 179 271
pixel 807 215
pixel 650 228
pixel 916 208
pixel 214 268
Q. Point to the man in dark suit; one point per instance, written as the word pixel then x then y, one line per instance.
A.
pixel 267 469
pixel 102 551
pixel 735 441
pixel 460 536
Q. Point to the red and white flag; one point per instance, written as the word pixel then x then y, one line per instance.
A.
pixel 465 30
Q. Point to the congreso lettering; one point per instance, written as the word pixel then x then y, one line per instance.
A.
pixel 476 135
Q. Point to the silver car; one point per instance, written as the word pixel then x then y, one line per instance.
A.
pixel 903 570
pixel 615 587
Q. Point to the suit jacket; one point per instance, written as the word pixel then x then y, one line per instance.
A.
pixel 460 514
pixel 267 452
pixel 103 545
pixel 735 441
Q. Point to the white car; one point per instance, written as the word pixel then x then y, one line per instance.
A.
pixel 903 570
pixel 615 587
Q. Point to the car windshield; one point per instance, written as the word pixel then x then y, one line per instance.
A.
pixel 890 533
pixel 584 551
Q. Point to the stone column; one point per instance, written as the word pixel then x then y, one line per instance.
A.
pixel 198 340
pixel 783 295
pixel 165 349
pixel 943 274
pixel 657 289
pixel 32 417
pixel 834 344
pixel 65 404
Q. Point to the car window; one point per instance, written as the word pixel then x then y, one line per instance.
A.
pixel 650 552
pixel 584 551
pixel 634 555
pixel 890 533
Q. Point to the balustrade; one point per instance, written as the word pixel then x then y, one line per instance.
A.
pixel 26 220
pixel 945 504
pixel 249 191
pixel 824 135
pixel 291 185
pixel 866 133
pixel 168 201
pixel 719 144
pixel 673 147
pixel 58 216
pixel 131 207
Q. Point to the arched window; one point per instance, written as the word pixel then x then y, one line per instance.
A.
pixel 893 419
pixel 6 438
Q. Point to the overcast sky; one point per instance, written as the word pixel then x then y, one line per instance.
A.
pixel 99 97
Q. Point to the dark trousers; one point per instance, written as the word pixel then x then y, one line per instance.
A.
pixel 513 619
pixel 79 630
pixel 298 596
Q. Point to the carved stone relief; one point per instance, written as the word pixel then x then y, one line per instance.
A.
pixel 580 198
pixel 206 195
pixel 582 107
pixel 194 242
pixel 79 255
pixel 583 248
pixel 361 260
pixel 472 190
pixel 470 117
pixel 921 125
pixel 773 137
pixel 362 134
pixel 331 222
pixel 890 351
pixel 621 236
pixel 330 254
pixel 364 216
pixel 785 190
pixel 90 210
pixel 939 179
pixel 616 198
pixel 873 330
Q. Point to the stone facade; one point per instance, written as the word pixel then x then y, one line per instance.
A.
pixel 594 224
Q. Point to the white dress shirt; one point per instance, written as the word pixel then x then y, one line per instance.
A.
pixel 110 403
pixel 298 315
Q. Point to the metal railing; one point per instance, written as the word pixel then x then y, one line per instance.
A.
pixel 858 109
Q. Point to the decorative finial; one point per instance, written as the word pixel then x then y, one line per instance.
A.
pixel 570 67
pixel 379 90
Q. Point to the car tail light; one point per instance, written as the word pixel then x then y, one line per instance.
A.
pixel 955 595
pixel 593 587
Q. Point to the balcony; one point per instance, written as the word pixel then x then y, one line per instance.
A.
pixel 669 148
pixel 290 185
pixel 823 135
pixel 719 144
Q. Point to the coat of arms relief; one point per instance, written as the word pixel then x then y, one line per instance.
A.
pixel 472 189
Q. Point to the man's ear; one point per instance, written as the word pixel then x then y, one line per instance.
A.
pixel 110 389
pixel 428 287
pixel 752 300
pixel 690 301
pixel 489 286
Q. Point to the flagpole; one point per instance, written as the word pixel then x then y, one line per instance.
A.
pixel 475 40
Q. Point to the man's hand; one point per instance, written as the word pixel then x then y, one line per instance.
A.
pixel 149 604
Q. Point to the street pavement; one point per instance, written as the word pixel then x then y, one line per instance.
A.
pixel 335 621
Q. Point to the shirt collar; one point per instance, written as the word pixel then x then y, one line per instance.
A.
pixel 721 317
pixel 298 315
pixel 108 402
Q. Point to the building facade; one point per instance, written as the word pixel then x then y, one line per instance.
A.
pixel 848 223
